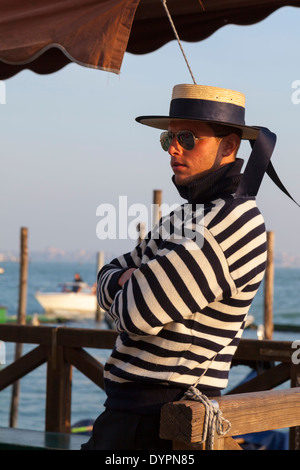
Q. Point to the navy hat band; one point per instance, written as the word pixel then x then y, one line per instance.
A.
pixel 206 110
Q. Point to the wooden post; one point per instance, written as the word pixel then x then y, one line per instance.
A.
pixel 269 287
pixel 157 200
pixel 294 443
pixel 23 277
pixel 141 229
pixel 21 320
pixel 59 388
pixel 100 264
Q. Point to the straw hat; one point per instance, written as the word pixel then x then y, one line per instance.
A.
pixel 221 106
pixel 205 104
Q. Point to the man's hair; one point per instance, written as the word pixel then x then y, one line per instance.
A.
pixel 220 130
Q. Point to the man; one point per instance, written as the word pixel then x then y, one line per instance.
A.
pixel 180 303
pixel 77 281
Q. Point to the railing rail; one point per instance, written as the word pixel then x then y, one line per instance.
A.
pixel 182 422
pixel 61 348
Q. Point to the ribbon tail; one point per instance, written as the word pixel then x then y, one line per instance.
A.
pixel 262 149
pixel 258 164
pixel 275 178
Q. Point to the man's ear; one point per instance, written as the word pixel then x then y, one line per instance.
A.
pixel 230 145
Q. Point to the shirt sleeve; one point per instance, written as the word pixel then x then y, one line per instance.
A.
pixel 182 279
pixel 108 276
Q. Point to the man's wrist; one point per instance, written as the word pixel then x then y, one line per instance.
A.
pixel 125 276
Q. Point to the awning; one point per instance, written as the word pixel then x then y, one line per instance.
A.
pixel 44 36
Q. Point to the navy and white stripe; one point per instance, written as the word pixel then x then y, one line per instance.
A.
pixel 182 313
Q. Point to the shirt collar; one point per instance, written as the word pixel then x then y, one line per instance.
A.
pixel 219 183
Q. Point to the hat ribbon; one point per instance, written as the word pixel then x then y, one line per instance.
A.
pixel 258 164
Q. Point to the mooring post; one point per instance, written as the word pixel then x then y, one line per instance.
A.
pixel 141 230
pixel 21 320
pixel 269 287
pixel 157 200
pixel 100 264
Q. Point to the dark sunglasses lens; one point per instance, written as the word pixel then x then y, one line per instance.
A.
pixel 165 140
pixel 186 140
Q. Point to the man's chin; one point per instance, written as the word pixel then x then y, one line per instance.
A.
pixel 185 181
pixel 181 181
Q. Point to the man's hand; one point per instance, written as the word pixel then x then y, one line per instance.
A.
pixel 125 276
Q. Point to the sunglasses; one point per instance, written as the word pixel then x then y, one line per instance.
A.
pixel 186 139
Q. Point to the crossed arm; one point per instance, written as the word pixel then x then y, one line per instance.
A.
pixel 176 283
pixel 125 276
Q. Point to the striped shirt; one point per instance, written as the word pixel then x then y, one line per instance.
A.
pixel 182 313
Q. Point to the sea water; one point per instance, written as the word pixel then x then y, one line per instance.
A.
pixel 87 398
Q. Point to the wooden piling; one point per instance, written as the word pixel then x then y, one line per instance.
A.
pixel 157 200
pixel 141 229
pixel 269 288
pixel 21 320
pixel 100 264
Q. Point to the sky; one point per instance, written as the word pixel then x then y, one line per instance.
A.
pixel 70 142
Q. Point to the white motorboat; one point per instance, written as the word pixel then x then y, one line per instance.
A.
pixel 71 299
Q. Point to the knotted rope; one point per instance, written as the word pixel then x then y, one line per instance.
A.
pixel 213 420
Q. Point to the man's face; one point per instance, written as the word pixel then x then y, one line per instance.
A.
pixel 188 165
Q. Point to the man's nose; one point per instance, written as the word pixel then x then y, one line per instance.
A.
pixel 174 146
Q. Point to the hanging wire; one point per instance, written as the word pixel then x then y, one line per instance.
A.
pixel 202 6
pixel 164 2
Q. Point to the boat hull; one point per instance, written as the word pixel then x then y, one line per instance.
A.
pixel 68 303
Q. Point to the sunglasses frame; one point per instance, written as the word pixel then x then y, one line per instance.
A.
pixel 170 135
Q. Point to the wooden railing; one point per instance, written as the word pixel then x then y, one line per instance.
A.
pixel 182 422
pixel 61 348
pixel 251 407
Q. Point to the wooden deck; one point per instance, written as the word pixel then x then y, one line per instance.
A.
pixel 24 439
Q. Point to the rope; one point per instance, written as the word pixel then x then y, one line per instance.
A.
pixel 213 420
pixel 164 2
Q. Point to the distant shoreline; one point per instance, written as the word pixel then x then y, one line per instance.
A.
pixel 282 260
